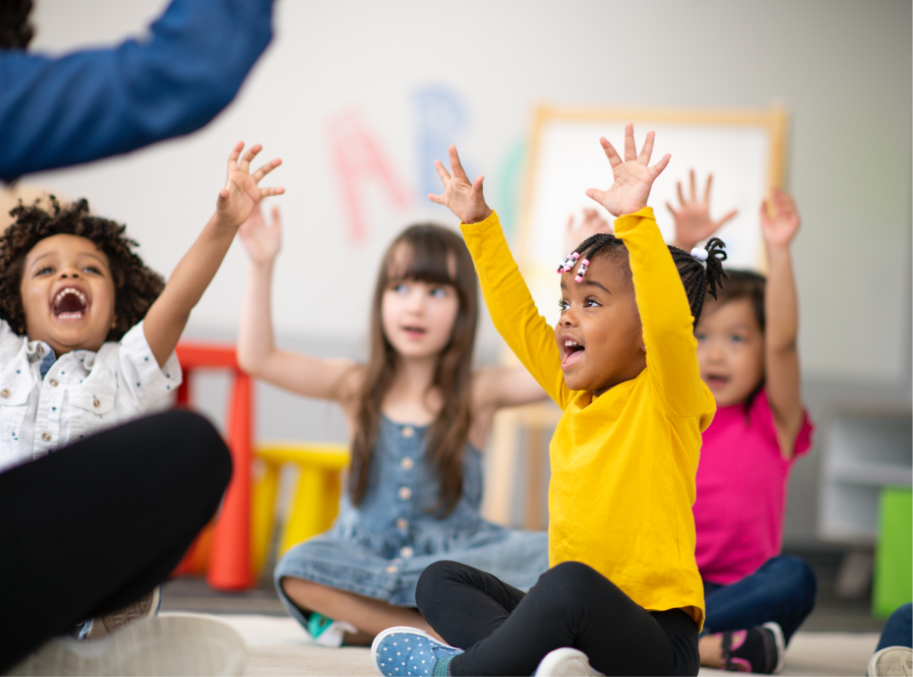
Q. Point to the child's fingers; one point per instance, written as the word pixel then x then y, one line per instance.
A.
pixel 693 188
pixel 731 215
pixel 234 155
pixel 658 168
pixel 266 169
pixel 669 207
pixel 477 184
pixel 222 200
pixel 596 194
pixel 707 189
pixel 439 199
pixel 569 225
pixel 266 192
pixel 681 197
pixel 647 150
pixel 251 153
pixel 630 147
pixel 455 165
pixel 277 218
pixel 442 172
pixel 610 152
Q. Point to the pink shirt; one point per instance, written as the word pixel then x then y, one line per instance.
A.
pixel 741 491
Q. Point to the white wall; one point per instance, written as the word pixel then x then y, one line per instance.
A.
pixel 842 67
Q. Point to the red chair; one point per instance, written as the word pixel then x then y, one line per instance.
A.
pixel 229 557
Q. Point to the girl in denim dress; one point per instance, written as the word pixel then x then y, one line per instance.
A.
pixel 418 414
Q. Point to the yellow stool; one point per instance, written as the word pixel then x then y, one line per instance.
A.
pixel 316 496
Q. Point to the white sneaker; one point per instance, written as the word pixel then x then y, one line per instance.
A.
pixel 565 661
pixel 891 661
pixel 165 645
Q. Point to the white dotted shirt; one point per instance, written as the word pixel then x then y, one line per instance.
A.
pixel 82 391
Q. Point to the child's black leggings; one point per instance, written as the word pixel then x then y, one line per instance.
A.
pixel 507 632
pixel 91 528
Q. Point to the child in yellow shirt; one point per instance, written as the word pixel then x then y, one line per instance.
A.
pixel 623 589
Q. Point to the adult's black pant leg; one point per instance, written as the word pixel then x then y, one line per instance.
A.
pixel 94 526
pixel 464 605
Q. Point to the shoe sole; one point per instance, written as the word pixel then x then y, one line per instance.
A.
pixel 165 645
pixel 892 660
pixel 780 642
pixel 401 628
pixel 144 607
pixel 566 662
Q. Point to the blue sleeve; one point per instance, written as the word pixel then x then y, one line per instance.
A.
pixel 56 112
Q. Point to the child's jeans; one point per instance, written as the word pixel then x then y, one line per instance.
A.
pixel 507 632
pixel 782 590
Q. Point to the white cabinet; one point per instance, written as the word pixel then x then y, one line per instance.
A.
pixel 865 450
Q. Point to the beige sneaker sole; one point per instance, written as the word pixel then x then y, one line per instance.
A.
pixel 165 645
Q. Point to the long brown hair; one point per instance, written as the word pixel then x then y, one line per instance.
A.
pixel 435 255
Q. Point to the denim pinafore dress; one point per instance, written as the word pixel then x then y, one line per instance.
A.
pixel 379 548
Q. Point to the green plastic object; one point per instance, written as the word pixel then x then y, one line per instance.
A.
pixel 893 584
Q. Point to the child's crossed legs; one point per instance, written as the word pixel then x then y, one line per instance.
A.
pixel 507 632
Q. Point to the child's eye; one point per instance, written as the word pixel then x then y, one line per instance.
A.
pixel 44 271
pixel 563 305
pixel 701 337
pixel 401 288
pixel 735 338
pixel 591 303
pixel 439 293
pixel 92 269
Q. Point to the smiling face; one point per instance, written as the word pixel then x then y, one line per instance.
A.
pixel 730 349
pixel 67 294
pixel 599 334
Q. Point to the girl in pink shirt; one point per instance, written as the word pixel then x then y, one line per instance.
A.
pixel 755 598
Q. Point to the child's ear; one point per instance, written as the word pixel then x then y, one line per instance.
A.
pixel 644 348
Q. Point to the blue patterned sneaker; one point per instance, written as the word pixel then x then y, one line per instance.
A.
pixel 409 651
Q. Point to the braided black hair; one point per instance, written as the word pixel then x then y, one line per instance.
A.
pixel 15 30
pixel 697 280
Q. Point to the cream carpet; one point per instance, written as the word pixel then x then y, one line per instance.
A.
pixel 278 647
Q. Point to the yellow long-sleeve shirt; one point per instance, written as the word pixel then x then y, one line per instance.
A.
pixel 623 464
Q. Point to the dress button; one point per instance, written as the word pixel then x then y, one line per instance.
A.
pixel 4 393
pixel 408 431
pixel 96 403
pixel 392 569
pixel 406 552
pixel 405 493
pixel 406 463
pixel 402 524
pixel 46 437
pixel 53 383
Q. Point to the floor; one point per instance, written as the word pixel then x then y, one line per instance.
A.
pixel 837 639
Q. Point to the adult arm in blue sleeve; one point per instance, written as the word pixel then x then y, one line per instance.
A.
pixel 56 112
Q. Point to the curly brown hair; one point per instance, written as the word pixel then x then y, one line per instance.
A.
pixel 135 286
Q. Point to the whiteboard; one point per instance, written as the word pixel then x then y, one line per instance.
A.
pixel 744 151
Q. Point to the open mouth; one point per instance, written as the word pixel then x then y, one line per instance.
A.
pixel 415 332
pixel 716 380
pixel 70 304
pixel 572 352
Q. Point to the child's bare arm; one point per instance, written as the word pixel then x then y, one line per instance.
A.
pixel 498 387
pixel 257 352
pixel 168 316
pixel 779 225
pixel 692 218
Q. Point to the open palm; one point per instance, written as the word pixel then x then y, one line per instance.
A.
pixel 633 176
pixel 692 218
pixel 461 196
pixel 779 223
pixel 242 190
pixel 261 241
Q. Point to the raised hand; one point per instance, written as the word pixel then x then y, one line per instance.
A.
pixel 463 198
pixel 779 219
pixel 591 224
pixel 633 175
pixel 261 241
pixel 242 191
pixel 692 218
